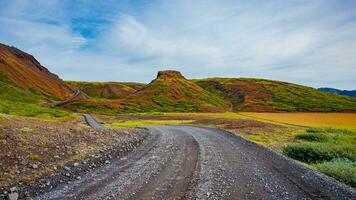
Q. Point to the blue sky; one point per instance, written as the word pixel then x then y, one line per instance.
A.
pixel 310 42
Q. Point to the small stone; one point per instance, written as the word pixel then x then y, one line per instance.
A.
pixel 79 177
pixel 107 162
pixel 67 168
pixel 67 174
pixel 34 166
pixel 76 164
pixel 13 196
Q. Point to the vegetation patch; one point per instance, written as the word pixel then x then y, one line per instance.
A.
pixel 27 130
pixel 17 101
pixel 337 120
pixel 332 151
pixel 343 170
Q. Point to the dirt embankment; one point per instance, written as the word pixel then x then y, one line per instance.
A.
pixel 33 148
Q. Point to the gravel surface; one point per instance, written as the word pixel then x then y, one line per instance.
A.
pixel 188 162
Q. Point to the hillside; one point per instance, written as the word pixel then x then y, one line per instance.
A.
pixel 351 93
pixel 172 92
pixel 15 100
pixel 107 90
pixel 267 95
pixel 27 73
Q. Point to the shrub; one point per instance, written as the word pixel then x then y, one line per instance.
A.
pixel 341 169
pixel 317 137
pixel 318 152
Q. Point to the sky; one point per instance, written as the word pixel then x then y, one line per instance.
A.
pixel 311 42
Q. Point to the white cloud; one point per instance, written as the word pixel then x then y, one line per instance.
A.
pixel 307 42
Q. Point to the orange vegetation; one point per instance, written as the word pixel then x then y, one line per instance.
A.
pixel 339 120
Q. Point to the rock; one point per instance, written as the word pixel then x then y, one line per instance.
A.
pixel 67 168
pixel 67 174
pixel 34 166
pixel 107 162
pixel 13 196
pixel 13 189
pixel 76 164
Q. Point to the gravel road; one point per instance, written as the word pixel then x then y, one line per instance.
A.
pixel 188 162
pixel 92 122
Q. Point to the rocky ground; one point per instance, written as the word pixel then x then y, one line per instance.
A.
pixel 32 149
pixel 188 162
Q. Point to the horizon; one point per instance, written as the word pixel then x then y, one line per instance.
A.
pixel 303 42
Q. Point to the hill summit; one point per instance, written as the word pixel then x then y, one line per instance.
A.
pixel 169 74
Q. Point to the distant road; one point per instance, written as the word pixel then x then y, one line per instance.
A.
pixel 69 99
pixel 187 162
pixel 92 122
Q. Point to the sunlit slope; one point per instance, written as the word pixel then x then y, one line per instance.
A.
pixel 170 92
pixel 27 73
pixel 267 95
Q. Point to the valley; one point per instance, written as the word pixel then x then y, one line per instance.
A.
pixel 171 137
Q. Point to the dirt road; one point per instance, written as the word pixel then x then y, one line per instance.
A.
pixel 186 162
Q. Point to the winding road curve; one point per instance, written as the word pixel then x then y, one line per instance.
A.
pixel 188 162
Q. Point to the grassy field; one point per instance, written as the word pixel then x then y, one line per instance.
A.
pixel 337 120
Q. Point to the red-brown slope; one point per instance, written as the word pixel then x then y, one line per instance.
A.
pixel 28 73
pixel 171 92
pixel 107 90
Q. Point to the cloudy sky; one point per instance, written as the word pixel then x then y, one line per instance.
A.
pixel 310 42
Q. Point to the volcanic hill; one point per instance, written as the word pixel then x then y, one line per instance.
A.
pixel 27 73
pixel 172 92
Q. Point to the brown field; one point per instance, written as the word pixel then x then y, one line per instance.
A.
pixel 337 120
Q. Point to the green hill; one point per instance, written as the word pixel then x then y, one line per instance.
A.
pixel 171 92
pixel 107 90
pixel 17 101
pixel 266 95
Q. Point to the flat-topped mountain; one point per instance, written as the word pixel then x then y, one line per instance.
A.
pixel 171 91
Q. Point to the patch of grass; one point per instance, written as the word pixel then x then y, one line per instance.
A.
pixel 28 130
pixel 317 152
pixel 2 136
pixel 323 144
pixel 136 123
pixel 341 169
pixel 313 137
pixel 36 157
pixel 17 101
pixel 95 107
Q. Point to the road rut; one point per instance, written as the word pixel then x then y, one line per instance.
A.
pixel 188 162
